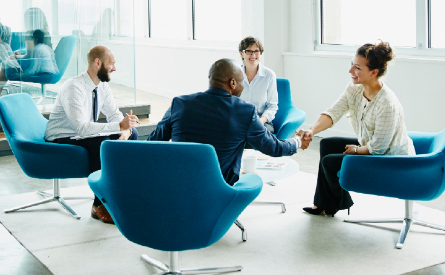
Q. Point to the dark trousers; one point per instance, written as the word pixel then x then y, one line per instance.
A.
pixel 93 147
pixel 329 195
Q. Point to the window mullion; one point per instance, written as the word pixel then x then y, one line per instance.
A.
pixel 422 24
pixel 190 20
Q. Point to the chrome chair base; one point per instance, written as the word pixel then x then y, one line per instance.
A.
pixel 243 230
pixel 173 268
pixel 52 197
pixel 283 206
pixel 407 221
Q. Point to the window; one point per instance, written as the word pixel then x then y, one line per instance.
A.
pixel 217 20
pixel 410 25
pixel 352 22
pixel 168 19
pixel 437 26
pixel 210 20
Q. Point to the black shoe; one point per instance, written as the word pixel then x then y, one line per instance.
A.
pixel 313 211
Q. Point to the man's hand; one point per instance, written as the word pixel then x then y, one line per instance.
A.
pixel 125 135
pixel 304 142
pixel 263 119
pixel 128 122
pixel 350 149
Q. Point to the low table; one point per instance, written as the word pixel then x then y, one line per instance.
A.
pixel 269 176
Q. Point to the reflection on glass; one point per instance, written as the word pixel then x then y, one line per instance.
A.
pixel 168 19
pixel 352 22
pixel 218 20
pixel 437 24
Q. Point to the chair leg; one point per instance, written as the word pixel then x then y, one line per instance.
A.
pixel 243 230
pixel 67 207
pixel 407 221
pixel 56 196
pixel 173 267
pixel 403 233
pixel 30 205
pixel 283 206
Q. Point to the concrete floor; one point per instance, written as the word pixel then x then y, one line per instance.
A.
pixel 15 259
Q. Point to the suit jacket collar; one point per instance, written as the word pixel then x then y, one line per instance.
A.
pixel 218 91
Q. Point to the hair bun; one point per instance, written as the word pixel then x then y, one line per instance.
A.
pixel 378 56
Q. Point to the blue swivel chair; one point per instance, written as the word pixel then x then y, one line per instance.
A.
pixel 410 178
pixel 170 196
pixel 288 118
pixel 63 53
pixel 24 128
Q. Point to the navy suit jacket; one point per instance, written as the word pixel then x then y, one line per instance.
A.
pixel 226 122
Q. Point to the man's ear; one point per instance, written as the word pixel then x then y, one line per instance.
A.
pixel 232 83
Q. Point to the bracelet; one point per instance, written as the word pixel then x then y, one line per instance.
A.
pixel 355 149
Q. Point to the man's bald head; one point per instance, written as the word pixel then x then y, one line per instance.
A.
pixel 227 74
pixel 100 52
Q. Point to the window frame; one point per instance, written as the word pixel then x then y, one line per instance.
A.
pixel 423 33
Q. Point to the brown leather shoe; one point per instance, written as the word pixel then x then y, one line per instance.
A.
pixel 101 213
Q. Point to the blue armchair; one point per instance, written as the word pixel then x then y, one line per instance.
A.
pixel 63 53
pixel 170 196
pixel 24 128
pixel 288 118
pixel 419 177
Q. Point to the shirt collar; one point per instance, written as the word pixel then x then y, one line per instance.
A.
pixel 89 82
pixel 260 71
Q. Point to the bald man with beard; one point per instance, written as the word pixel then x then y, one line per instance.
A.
pixel 220 118
pixel 77 108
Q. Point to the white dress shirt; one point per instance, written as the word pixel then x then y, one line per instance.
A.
pixel 72 114
pixel 379 124
pixel 262 92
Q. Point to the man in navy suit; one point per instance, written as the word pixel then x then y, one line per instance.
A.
pixel 220 118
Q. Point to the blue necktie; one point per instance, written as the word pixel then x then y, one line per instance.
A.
pixel 95 105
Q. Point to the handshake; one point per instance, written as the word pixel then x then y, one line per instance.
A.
pixel 306 137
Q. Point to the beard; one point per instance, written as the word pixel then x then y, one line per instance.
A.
pixel 102 74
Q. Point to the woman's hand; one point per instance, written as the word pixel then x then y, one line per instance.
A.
pixel 306 134
pixel 263 119
pixel 350 149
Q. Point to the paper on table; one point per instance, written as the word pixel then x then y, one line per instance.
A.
pixel 97 135
pixel 270 165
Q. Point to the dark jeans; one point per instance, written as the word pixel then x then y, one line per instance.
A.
pixel 329 195
pixel 93 147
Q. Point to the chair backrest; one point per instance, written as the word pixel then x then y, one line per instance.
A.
pixel 169 196
pixel 21 120
pixel 17 41
pixel 63 53
pixel 286 107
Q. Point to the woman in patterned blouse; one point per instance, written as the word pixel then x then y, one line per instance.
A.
pixel 376 117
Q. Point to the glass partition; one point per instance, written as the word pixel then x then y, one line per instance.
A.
pixel 45 42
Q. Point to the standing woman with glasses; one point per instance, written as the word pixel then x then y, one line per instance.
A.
pixel 260 82
pixel 377 118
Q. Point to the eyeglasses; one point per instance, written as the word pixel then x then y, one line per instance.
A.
pixel 248 52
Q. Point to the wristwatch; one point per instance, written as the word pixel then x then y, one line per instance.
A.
pixel 355 149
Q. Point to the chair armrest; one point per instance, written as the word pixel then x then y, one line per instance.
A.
pixel 422 141
pixel 249 183
pixel 403 177
pixel 45 160
pixel 293 119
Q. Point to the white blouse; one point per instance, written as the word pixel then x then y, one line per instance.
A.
pixel 379 124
